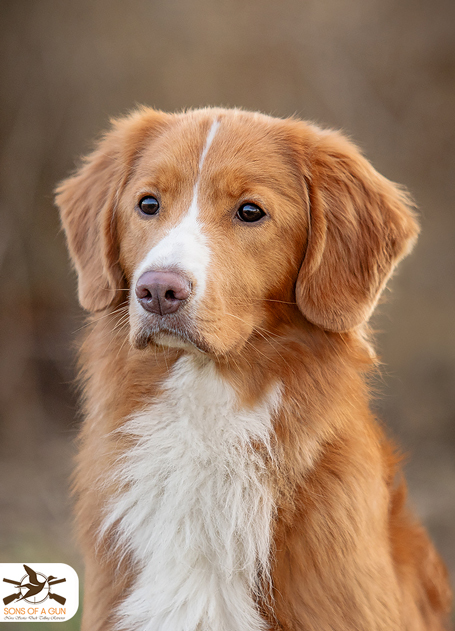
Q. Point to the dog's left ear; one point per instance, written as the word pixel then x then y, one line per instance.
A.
pixel 360 226
pixel 87 206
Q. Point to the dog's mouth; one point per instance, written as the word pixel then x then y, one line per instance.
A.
pixel 169 334
pixel 206 333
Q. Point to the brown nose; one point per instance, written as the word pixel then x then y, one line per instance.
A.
pixel 162 292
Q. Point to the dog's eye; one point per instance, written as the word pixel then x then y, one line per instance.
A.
pixel 149 205
pixel 250 213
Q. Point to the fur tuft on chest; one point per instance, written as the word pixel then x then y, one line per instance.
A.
pixel 194 506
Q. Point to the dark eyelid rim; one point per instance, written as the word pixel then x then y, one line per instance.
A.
pixel 147 193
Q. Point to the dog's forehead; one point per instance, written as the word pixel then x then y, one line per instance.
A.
pixel 233 148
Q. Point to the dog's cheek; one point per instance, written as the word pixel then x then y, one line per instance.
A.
pixel 136 239
pixel 136 336
pixel 226 315
pixel 231 308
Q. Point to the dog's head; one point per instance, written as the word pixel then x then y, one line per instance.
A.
pixel 215 221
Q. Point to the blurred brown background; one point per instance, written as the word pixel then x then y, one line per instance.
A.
pixel 383 71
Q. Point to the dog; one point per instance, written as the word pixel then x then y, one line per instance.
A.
pixel 231 476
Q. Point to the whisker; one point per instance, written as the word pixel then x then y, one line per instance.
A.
pixel 284 302
pixel 256 300
pixel 93 320
pixel 121 346
pixel 121 323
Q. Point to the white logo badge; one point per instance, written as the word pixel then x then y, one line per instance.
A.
pixel 38 592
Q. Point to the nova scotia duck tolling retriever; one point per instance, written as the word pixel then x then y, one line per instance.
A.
pixel 231 476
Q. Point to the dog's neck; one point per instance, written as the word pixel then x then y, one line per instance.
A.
pixel 195 505
pixel 184 448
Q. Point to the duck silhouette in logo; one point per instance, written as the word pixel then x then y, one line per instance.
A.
pixel 34 587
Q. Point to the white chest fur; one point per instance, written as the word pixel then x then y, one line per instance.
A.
pixel 195 506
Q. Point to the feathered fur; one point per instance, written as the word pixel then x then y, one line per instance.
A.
pixel 231 475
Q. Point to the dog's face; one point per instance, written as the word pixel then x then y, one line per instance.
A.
pixel 216 219
pixel 212 226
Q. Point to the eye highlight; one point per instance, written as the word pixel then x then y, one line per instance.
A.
pixel 149 205
pixel 250 212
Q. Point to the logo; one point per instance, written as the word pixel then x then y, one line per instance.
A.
pixel 38 592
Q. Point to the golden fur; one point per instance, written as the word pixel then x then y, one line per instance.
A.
pixel 288 302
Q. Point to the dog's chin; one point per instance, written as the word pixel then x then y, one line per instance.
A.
pixel 169 340
pixel 144 338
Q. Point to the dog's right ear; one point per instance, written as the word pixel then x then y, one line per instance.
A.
pixel 87 202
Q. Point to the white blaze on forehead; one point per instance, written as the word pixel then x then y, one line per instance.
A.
pixel 185 246
pixel 208 142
